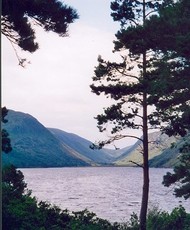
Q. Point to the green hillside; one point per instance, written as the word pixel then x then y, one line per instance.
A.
pixel 35 146
pixel 159 144
pixel 82 146
pixel 169 157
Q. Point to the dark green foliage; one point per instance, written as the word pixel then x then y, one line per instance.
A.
pixel 153 73
pixel 128 83
pixel 158 77
pixel 171 31
pixel 169 89
pixel 168 40
pixel 171 39
pixel 19 17
pixel 87 221
pixel 133 223
pixel 13 181
pixel 157 219
pixel 178 219
pixel 127 11
pixel 16 200
pixel 6 142
pixel 181 176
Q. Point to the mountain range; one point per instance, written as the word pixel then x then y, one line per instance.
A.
pixel 37 146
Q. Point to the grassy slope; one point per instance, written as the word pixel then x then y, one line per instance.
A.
pixel 158 144
pixel 34 146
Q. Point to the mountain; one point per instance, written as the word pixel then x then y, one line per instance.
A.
pixel 116 153
pixel 169 157
pixel 37 146
pixel 158 144
pixel 82 146
pixel 34 145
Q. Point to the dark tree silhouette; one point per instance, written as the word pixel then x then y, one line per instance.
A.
pixel 171 37
pixel 171 40
pixel 145 85
pixel 19 18
pixel 6 142
pixel 180 178
pixel 127 82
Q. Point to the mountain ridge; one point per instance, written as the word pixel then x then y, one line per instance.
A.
pixel 34 145
pixel 27 139
pixel 158 142
pixel 82 146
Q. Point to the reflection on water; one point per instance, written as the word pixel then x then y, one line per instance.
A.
pixel 113 193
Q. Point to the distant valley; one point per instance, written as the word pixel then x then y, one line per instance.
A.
pixel 37 146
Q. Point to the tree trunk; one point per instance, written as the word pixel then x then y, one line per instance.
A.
pixel 145 192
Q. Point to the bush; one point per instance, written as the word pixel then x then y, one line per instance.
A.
pixel 178 219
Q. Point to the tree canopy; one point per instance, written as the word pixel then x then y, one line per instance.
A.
pixel 19 18
pixel 146 87
pixel 128 83
pixel 180 178
pixel 171 39
pixel 6 142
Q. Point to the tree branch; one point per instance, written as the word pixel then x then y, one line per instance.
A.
pixel 135 163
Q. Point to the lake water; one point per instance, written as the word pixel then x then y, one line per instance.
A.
pixel 113 193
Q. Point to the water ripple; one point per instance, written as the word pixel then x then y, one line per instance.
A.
pixel 110 192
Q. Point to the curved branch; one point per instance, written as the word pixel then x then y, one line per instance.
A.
pixel 118 137
pixel 150 12
pixel 100 144
pixel 21 61
pixel 135 163
pixel 127 75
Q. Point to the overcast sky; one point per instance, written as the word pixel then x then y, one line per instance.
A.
pixel 54 88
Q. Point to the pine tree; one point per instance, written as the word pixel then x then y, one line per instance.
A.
pixel 180 178
pixel 130 83
pixel 171 39
pixel 6 142
pixel 19 18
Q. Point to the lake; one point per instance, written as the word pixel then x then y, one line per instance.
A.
pixel 113 193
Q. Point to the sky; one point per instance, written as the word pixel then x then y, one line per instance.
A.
pixel 55 86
